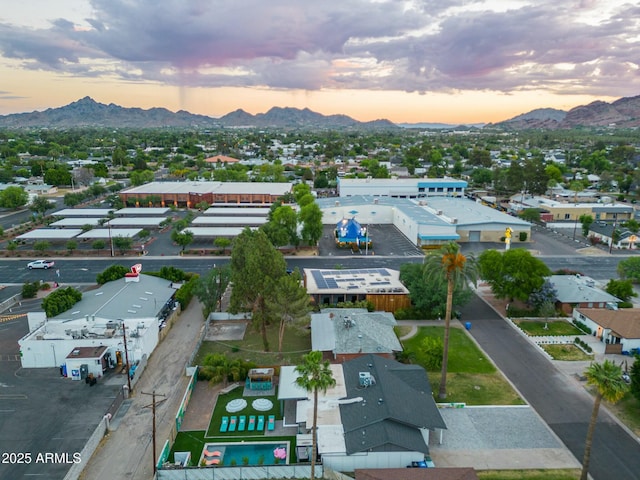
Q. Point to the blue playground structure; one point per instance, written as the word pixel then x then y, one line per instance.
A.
pixel 349 233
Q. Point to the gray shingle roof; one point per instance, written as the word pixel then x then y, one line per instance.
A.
pixel 394 407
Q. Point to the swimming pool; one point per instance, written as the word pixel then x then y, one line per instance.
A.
pixel 253 453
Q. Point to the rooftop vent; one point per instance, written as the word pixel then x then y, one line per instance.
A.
pixel 365 379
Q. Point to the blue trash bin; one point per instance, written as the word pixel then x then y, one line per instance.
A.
pixel 467 325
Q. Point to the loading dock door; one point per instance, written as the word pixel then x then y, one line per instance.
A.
pixel 474 236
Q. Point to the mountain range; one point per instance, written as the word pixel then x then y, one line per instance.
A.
pixel 623 113
pixel 86 112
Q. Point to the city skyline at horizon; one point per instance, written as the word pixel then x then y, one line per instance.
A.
pixel 408 61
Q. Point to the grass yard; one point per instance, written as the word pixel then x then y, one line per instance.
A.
pixel 471 377
pixel 564 474
pixel 628 411
pixel 568 352
pixel 213 432
pixel 535 328
pixel 296 343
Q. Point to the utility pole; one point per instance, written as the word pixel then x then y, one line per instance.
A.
pixel 613 232
pixel 153 411
pixel 126 354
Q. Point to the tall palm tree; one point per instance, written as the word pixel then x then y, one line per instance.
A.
pixel 607 378
pixel 314 375
pixel 457 270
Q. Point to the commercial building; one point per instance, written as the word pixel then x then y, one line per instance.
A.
pixel 189 194
pixel 401 187
pixel 130 308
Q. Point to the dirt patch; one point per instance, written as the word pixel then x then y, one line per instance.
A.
pixel 226 330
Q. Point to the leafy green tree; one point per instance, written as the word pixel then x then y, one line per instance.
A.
pixel 60 301
pixel 634 375
pixel 98 244
pixel 586 221
pixel 140 177
pixel 300 190
pixel 449 265
pixel 429 298
pixel 211 287
pixel 282 226
pixel 632 225
pixel 514 274
pixel 311 218
pixel 109 274
pixel 172 274
pixel 41 245
pixel 72 245
pixel 182 238
pixel 314 375
pixel 58 176
pixel 289 302
pixel 13 197
pixel 606 377
pixel 41 205
pixel 255 267
pixel 622 289
pixel 530 214
pixel 122 243
pixel 222 243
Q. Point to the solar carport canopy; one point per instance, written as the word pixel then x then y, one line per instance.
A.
pixel 115 232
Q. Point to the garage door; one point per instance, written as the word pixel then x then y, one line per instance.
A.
pixel 474 236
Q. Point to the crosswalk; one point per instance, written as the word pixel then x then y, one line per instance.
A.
pixel 10 358
pixel 7 318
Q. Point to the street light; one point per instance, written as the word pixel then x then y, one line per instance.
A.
pixel 126 352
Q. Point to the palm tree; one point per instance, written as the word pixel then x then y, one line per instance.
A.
pixel 607 378
pixel 450 265
pixel 314 375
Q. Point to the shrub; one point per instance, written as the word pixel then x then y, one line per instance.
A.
pixel 30 289
pixel 114 272
pixel 185 292
pixel 522 236
pixel 41 245
pixel 431 352
pixel 98 244
pixel 60 301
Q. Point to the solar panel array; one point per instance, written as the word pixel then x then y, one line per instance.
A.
pixel 324 280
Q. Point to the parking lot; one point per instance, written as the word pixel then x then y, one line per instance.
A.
pixel 386 240
pixel 43 412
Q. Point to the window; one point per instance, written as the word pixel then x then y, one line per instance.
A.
pixel 567 216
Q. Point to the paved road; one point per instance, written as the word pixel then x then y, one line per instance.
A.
pixel 563 404
pixel 127 452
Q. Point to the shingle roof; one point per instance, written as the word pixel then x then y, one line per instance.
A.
pixel 625 323
pixel 394 407
pixel 578 289
pixel 354 330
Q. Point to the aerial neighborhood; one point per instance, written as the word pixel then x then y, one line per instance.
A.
pixel 364 302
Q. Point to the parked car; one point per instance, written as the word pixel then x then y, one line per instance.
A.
pixel 46 264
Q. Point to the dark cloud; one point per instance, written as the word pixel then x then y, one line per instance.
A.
pixel 420 45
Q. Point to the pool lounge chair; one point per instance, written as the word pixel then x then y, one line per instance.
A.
pixel 260 426
pixel 242 421
pixel 271 424
pixel 233 423
pixel 224 425
pixel 252 423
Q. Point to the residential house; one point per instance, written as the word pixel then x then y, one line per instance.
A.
pixel 618 329
pixel 342 334
pixel 577 291
pixel 379 414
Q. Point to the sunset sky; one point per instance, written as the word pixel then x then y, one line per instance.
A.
pixel 451 61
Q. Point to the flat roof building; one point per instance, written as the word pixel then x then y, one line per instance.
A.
pixel 191 193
